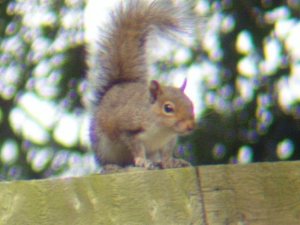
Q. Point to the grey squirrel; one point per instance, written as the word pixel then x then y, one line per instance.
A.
pixel 137 122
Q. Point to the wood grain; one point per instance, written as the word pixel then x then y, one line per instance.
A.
pixel 143 197
pixel 262 194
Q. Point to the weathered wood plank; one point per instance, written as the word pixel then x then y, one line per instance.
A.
pixel 260 194
pixel 143 197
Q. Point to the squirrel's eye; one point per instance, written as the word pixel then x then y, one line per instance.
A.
pixel 169 108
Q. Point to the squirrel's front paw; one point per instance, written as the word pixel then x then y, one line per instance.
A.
pixel 111 168
pixel 142 162
pixel 174 163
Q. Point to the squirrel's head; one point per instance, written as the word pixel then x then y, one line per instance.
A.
pixel 173 108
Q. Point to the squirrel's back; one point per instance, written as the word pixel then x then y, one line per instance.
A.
pixel 121 54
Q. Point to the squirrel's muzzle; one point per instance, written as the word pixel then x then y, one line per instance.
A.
pixel 185 127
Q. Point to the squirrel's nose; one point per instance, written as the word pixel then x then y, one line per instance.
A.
pixel 190 126
pixel 186 126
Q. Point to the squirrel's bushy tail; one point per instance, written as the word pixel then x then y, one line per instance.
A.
pixel 121 53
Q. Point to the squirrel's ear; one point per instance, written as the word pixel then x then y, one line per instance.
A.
pixel 155 90
pixel 183 85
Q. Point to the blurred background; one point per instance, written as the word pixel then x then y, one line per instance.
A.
pixel 242 64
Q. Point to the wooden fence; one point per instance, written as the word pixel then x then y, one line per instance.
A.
pixel 263 194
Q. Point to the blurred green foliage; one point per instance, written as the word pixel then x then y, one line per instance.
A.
pixel 252 111
pixel 246 55
pixel 41 60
